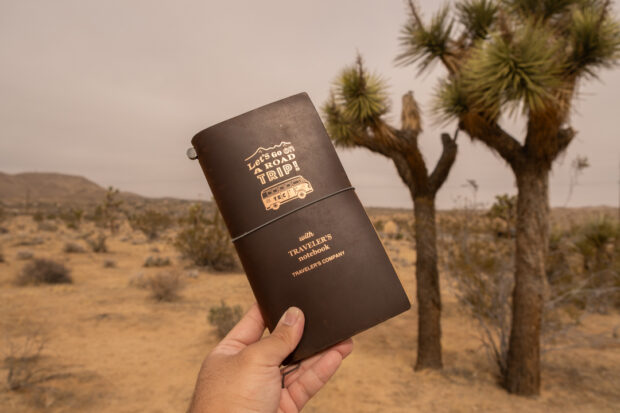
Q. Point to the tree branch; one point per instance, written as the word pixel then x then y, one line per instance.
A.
pixel 364 139
pixel 444 164
pixel 490 133
pixel 565 137
pixel 446 60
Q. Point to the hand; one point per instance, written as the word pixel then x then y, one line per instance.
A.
pixel 242 373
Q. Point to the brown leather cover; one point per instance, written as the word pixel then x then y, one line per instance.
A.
pixel 301 233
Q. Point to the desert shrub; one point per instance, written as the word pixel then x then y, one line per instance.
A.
pixel 73 248
pixel 224 318
pixel 2 256
pixel 44 271
pixel 29 242
pixel 139 280
pixel 150 222
pixel 98 243
pixel 72 217
pixel 165 286
pixel 505 209
pixel 156 262
pixel 3 213
pixel 21 361
pixel 480 263
pixel 38 216
pixel 481 270
pixel 205 240
pixel 593 251
pixel 595 242
pixel 109 264
pixel 379 225
pixel 24 255
pixel 47 226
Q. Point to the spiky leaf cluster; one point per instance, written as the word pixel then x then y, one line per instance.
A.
pixel 540 9
pixel 593 42
pixel 358 101
pixel 476 17
pixel 522 70
pixel 422 45
pixel 513 53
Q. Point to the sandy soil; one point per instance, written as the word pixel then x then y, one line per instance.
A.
pixel 110 348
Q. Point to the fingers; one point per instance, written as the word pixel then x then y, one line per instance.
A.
pixel 247 331
pixel 344 348
pixel 273 349
pixel 312 380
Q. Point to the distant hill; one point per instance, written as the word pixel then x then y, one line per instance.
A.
pixel 53 188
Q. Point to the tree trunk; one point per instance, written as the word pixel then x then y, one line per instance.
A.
pixel 523 372
pixel 427 282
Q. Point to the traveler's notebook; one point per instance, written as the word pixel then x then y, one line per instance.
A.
pixel 301 233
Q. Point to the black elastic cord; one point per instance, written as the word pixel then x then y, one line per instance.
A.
pixel 286 372
pixel 290 212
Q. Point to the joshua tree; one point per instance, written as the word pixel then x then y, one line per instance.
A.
pixel 355 117
pixel 107 214
pixel 507 56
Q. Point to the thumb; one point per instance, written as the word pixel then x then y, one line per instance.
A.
pixel 274 348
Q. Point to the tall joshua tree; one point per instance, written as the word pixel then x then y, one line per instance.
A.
pixel 355 117
pixel 510 56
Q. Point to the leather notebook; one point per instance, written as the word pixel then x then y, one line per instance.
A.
pixel 299 229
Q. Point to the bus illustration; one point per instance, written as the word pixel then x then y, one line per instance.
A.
pixel 296 187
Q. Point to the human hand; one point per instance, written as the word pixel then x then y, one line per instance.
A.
pixel 242 373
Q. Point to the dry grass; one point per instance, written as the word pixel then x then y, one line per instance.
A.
pixel 120 343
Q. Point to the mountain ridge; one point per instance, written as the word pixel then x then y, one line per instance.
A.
pixel 55 187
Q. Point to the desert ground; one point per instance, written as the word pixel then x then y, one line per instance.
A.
pixel 109 347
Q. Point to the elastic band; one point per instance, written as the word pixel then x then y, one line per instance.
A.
pixel 290 212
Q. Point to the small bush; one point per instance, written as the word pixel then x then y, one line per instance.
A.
pixel 98 244
pixel 72 218
pixel 224 318
pixel 109 264
pixel 595 242
pixel 21 362
pixel 165 286
pixel 44 271
pixel 38 216
pixel 139 280
pixel 29 242
pixel 379 224
pixel 156 262
pixel 206 241
pixel 150 222
pixel 24 255
pixel 47 226
pixel 73 248
pixel 2 256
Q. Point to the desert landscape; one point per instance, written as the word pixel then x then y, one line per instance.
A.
pixel 107 343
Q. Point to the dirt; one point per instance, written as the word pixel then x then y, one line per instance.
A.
pixel 109 347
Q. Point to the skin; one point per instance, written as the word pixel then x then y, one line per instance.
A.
pixel 242 374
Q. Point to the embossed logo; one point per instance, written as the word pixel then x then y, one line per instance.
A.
pixel 274 166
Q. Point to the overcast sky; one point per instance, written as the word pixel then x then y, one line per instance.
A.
pixel 114 90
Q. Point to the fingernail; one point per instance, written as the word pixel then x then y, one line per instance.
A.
pixel 291 316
